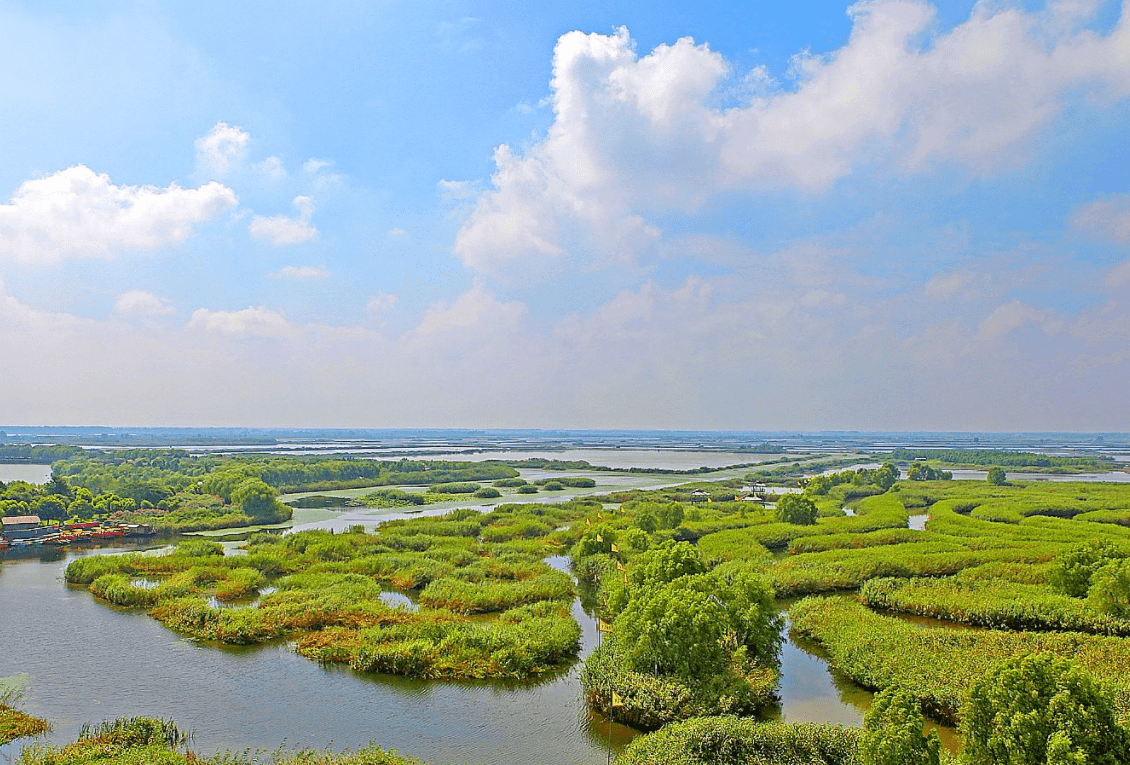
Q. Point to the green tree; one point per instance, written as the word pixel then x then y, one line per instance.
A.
pixel 796 509
pixel 1110 589
pixel 697 626
pixel 1074 567
pixel 893 732
pixel 51 508
pixel 996 476
pixel 1042 710
pixel 653 569
pixel 255 498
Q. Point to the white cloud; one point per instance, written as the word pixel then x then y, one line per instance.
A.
pixel 474 313
pixel 141 304
pixel 280 231
pixel 77 213
pixel 396 232
pixel 1108 218
pixel 272 167
pixel 249 322
pixel 221 151
pixel 301 272
pixel 313 165
pixel 458 190
pixel 635 136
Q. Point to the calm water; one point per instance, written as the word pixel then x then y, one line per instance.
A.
pixel 23 472
pixel 85 661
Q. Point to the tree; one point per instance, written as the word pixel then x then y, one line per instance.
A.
pixel 1109 592
pixel 1042 710
pixel 697 626
pixel 1075 566
pixel 796 509
pixel 51 508
pixel 893 732
pixel 254 498
pixel 652 570
pixel 996 476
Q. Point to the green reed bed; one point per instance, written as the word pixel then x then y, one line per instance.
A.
pixel 938 664
pixel 15 723
pixel 839 570
pixel 151 741
pixel 328 587
pixel 732 740
pixel 996 604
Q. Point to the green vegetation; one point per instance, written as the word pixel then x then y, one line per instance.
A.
pixel 893 733
pixel 795 509
pixel 150 741
pixel 742 741
pixel 1021 461
pixel 15 723
pixel 683 642
pixel 1040 709
pixel 684 579
pixel 328 591
pixel 939 665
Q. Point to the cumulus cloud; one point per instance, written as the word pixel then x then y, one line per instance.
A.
pixel 380 304
pixel 280 231
pixel 634 136
pixel 77 213
pixel 139 303
pixel 221 151
pixel 1107 218
pixel 249 322
pixel 301 272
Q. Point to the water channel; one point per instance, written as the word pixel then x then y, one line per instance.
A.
pixel 82 660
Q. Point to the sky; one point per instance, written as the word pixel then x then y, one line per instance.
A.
pixel 751 215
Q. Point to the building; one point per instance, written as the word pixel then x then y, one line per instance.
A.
pixel 23 527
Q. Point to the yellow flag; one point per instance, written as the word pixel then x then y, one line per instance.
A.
pixel 599 537
pixel 615 549
pixel 617 701
pixel 621 567
pixel 603 626
pixel 588 521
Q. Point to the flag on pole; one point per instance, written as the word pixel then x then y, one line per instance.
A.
pixel 621 567
pixel 617 701
pixel 599 537
pixel 603 626
pixel 615 549
pixel 588 521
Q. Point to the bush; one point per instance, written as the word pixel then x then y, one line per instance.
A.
pixel 1075 566
pixel 742 741
pixel 893 733
pixel 488 492
pixel 1110 589
pixel 796 509
pixel 1041 710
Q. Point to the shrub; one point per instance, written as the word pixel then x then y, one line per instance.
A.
pixel 1041 710
pixel 1075 566
pixel 488 492
pixel 893 733
pixel 796 509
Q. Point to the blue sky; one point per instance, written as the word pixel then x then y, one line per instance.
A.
pixel 894 215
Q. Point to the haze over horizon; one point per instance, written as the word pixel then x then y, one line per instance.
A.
pixel 888 216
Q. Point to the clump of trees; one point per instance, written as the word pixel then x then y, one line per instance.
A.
pixel 920 471
pixel 796 509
